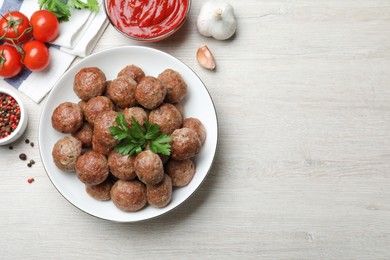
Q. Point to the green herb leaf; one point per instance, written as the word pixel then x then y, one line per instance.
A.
pixel 121 122
pixel 117 133
pixel 91 4
pixel 161 144
pixel 59 8
pixel 126 147
pixel 133 140
pixel 152 131
pixel 136 130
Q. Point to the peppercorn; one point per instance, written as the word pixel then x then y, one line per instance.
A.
pixel 29 165
pixel 26 141
pixel 9 115
pixel 32 161
pixel 10 147
pixel 22 156
pixel 32 144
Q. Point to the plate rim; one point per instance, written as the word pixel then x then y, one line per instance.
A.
pixel 101 53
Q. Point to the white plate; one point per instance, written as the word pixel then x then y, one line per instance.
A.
pixel 197 104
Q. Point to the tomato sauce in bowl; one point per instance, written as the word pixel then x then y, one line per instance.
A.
pixel 147 20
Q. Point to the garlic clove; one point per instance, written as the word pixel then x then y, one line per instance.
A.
pixel 205 57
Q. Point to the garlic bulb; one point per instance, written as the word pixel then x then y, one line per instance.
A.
pixel 216 19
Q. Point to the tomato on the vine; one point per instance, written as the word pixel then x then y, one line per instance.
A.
pixel 14 27
pixel 10 61
pixel 45 25
pixel 36 55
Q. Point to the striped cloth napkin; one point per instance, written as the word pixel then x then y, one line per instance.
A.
pixel 77 37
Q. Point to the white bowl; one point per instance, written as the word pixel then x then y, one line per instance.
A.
pixel 23 118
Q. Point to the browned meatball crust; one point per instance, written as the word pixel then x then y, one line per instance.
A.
pixel 121 166
pixel 84 134
pixel 160 195
pixel 175 85
pixel 196 125
pixel 133 72
pixel 129 195
pixel 150 92
pixel 99 148
pixel 180 108
pixel 67 117
pixel 122 92
pixel 167 117
pixel 95 106
pixel 185 144
pixel 92 168
pixel 181 172
pixel 65 153
pixel 149 167
pixel 102 128
pixel 138 113
pixel 101 191
pixel 89 83
pixel 82 105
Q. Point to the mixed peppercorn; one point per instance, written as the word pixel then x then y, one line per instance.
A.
pixel 9 115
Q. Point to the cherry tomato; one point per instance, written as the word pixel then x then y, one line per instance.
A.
pixel 45 25
pixel 14 26
pixel 10 61
pixel 36 56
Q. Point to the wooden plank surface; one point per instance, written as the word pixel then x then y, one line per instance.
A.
pixel 302 170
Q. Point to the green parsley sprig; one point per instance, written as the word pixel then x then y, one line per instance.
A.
pixel 61 9
pixel 133 140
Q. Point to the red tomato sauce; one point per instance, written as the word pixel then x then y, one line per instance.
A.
pixel 147 18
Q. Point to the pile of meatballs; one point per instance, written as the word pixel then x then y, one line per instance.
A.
pixel 131 182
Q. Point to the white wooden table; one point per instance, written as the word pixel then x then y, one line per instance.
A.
pixel 303 165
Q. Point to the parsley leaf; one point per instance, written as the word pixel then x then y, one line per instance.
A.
pixel 133 140
pixel 58 7
pixel 91 4
pixel 152 130
pixel 61 8
pixel 161 144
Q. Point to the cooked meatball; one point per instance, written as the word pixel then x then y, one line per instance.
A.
pixel 167 117
pixel 122 92
pixel 185 144
pixel 181 172
pixel 67 117
pixel 84 134
pixel 175 85
pixel 65 153
pixel 92 168
pixel 133 72
pixel 102 128
pixel 108 82
pixel 95 106
pixel 99 148
pixel 138 113
pixel 150 92
pixel 129 195
pixel 196 125
pixel 101 191
pixel 160 195
pixel 121 166
pixel 82 105
pixel 149 167
pixel 180 108
pixel 89 83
